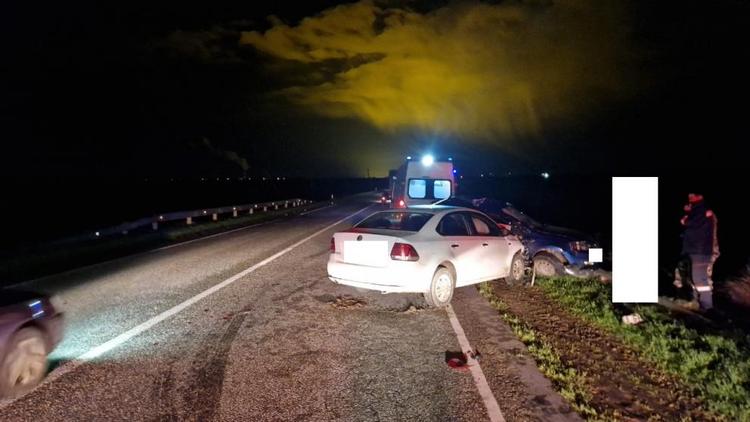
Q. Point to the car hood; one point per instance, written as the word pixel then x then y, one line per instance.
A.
pixel 495 207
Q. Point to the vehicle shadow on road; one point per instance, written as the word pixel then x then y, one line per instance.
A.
pixel 54 363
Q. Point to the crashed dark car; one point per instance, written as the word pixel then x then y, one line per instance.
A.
pixel 550 250
pixel 30 328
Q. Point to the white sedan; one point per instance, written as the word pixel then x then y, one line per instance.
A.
pixel 424 249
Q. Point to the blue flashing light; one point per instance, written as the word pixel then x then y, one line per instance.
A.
pixel 36 308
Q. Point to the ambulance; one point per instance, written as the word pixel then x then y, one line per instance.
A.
pixel 422 181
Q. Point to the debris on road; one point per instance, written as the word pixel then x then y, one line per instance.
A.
pixel 456 360
pixel 413 309
pixel 348 302
pixel 460 360
pixel 632 319
pixel 474 354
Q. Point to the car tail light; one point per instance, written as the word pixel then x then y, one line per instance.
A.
pixel 333 245
pixel 401 203
pixel 404 252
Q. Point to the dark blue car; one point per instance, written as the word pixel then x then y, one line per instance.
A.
pixel 549 250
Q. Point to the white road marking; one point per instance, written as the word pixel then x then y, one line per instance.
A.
pixel 135 331
pixel 174 245
pixel 315 210
pixel 211 236
pixel 493 410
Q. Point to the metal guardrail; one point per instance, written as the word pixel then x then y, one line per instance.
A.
pixel 188 216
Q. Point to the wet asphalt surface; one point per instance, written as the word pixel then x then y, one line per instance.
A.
pixel 280 344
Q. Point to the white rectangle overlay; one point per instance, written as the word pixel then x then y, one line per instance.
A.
pixel 596 255
pixel 373 253
pixel 635 239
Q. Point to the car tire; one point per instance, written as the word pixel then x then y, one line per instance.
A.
pixel 547 266
pixel 517 275
pixel 24 365
pixel 441 288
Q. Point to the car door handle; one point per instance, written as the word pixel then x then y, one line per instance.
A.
pixel 485 244
pixel 455 245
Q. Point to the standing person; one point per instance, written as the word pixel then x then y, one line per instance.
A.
pixel 700 244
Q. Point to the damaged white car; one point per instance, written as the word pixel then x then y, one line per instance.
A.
pixel 423 249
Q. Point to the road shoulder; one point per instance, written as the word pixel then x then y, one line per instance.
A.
pixel 522 392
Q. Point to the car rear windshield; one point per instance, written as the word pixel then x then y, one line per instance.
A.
pixel 395 220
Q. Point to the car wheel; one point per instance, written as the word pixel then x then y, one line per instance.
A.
pixel 24 364
pixel 517 270
pixel 547 266
pixel 441 288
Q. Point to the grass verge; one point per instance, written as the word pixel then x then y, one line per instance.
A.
pixel 567 380
pixel 713 361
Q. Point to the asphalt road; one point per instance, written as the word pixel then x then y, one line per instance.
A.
pixel 246 327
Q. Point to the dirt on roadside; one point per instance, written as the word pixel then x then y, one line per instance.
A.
pixel 622 384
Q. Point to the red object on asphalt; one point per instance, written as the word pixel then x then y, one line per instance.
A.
pixel 456 360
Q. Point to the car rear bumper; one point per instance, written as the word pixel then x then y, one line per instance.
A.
pixel 383 288
pixel 400 277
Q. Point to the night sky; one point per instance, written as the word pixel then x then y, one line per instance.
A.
pixel 130 90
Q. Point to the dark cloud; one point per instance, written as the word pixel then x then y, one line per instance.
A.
pixel 215 45
pixel 482 71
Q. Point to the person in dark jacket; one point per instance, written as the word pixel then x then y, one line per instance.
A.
pixel 700 245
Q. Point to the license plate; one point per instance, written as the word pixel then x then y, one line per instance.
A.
pixel 373 253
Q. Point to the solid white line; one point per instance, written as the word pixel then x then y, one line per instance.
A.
pixel 211 236
pixel 133 332
pixel 493 410
pixel 135 255
pixel 315 210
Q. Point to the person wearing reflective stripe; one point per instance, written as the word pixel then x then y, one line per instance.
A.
pixel 700 244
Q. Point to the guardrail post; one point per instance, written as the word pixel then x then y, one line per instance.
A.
pixel 155 225
pixel 189 221
pixel 214 216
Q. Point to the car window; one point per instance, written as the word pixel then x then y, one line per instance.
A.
pixel 441 189
pixel 417 188
pixel 395 220
pixel 483 226
pixel 453 225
